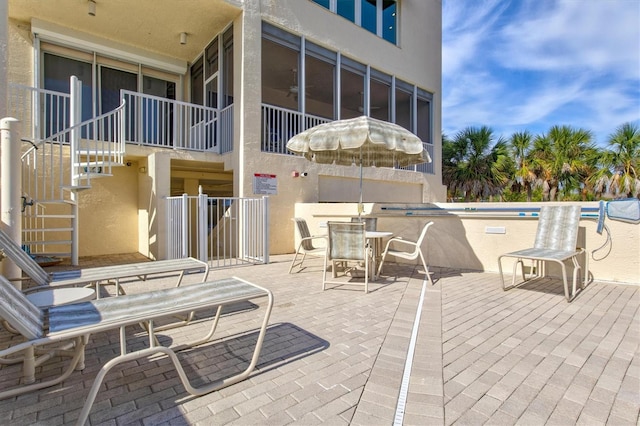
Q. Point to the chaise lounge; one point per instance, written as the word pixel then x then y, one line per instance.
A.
pixel 76 322
pixel 98 275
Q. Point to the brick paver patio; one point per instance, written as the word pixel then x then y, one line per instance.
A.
pixel 481 356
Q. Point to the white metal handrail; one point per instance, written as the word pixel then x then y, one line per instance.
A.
pixel 99 147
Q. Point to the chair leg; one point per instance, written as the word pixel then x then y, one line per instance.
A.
pixel 501 274
pixel 585 281
pixel 515 272
pixel 565 283
pixel 366 274
pixel 324 274
pixel 576 273
pixel 295 257
pixel 426 270
pixel 381 263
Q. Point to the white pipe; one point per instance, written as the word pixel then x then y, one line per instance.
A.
pixel 11 179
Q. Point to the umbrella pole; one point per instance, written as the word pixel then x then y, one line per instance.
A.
pixel 360 206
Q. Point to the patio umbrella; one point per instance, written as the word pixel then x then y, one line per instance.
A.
pixel 363 141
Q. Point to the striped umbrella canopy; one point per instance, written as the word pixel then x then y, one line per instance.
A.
pixel 361 141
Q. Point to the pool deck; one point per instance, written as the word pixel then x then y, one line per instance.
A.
pixel 479 356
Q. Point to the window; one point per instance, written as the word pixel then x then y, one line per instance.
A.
pixel 380 97
pixel 280 64
pixel 227 63
pixel 212 73
pixel 346 9
pixel 389 20
pixel 287 110
pixel 320 81
pixel 379 17
pixel 352 77
pixel 369 16
pixel 197 82
pixel 423 116
pixel 111 82
pixel 57 73
pixel 404 105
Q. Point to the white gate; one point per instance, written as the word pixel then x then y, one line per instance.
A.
pixel 222 231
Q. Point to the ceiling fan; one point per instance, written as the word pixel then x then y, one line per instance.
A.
pixel 294 89
pixel 361 107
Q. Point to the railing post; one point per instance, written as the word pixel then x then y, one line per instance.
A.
pixel 265 229
pixel 11 191
pixel 75 118
pixel 185 225
pixel 203 207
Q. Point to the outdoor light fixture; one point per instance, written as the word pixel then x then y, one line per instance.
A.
pixel 92 8
pixel 183 38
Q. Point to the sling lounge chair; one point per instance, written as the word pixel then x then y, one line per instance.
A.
pixel 306 246
pixel 556 241
pixel 96 276
pixel 76 322
pixel 347 249
pixel 406 249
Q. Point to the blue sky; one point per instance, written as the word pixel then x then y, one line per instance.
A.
pixel 531 64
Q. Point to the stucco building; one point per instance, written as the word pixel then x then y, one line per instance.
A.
pixel 213 89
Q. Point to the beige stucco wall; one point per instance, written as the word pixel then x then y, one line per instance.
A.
pixel 108 214
pixel 460 240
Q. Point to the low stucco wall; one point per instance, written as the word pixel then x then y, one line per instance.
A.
pixel 460 239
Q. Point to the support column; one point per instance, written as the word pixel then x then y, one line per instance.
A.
pixel 10 190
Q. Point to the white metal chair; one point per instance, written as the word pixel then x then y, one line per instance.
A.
pixel 556 241
pixel 347 244
pixel 412 250
pixel 306 246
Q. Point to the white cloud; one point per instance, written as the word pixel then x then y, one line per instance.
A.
pixel 600 36
pixel 530 64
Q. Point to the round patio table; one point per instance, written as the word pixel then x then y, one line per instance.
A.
pixel 60 296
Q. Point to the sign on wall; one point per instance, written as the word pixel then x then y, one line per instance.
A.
pixel 265 184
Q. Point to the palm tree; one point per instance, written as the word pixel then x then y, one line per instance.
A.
pixel 562 160
pixel 521 144
pixel 475 165
pixel 620 162
pixel 542 166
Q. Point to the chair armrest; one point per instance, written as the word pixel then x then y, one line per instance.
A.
pixel 401 240
pixel 315 237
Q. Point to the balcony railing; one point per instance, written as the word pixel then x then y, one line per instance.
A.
pixel 166 123
pixel 149 120
pixel 281 124
pixel 41 112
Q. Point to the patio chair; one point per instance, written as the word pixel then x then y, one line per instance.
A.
pixel 406 249
pixel 371 223
pixel 76 322
pixel 96 276
pixel 556 241
pixel 347 244
pixel 306 246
